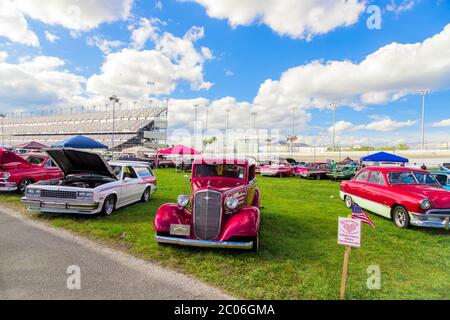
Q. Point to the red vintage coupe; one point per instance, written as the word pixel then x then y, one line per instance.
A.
pixel 221 212
pixel 17 172
pixel 278 169
pixel 314 170
pixel 405 195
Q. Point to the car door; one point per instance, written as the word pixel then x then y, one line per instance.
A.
pixel 376 193
pixel 357 188
pixel 51 171
pixel 130 185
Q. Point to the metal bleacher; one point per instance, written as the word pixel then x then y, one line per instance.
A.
pixel 130 127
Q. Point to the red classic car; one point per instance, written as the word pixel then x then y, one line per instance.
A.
pixel 17 172
pixel 405 195
pixel 315 170
pixel 221 212
pixel 279 169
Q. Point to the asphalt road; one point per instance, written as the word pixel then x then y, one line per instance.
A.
pixel 35 259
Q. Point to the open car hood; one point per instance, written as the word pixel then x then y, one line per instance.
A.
pixel 73 161
pixel 10 160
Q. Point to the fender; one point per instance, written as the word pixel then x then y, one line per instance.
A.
pixel 244 223
pixel 169 214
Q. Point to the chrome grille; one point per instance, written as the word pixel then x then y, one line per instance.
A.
pixel 58 194
pixel 207 214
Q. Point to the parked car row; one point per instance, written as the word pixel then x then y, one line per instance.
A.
pixel 222 209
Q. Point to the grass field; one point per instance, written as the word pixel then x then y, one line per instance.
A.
pixel 299 257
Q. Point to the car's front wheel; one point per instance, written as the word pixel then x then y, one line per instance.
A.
pixel 23 185
pixel 348 202
pixel 109 206
pixel 401 217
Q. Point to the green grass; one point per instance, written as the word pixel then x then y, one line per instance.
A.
pixel 299 257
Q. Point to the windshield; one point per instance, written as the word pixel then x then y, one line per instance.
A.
pixel 222 170
pixel 425 178
pixel 412 178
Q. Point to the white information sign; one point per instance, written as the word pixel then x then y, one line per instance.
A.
pixel 349 232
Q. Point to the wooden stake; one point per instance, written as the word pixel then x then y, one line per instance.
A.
pixel 345 272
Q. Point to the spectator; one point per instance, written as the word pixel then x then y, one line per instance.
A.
pixel 424 167
pixel 333 164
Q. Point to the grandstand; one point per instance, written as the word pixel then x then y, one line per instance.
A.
pixel 133 127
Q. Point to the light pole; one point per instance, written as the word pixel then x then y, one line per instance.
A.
pixel 114 99
pixel 206 127
pixel 3 116
pixel 294 111
pixel 423 92
pixel 195 124
pixel 226 130
pixel 254 114
pixel 334 106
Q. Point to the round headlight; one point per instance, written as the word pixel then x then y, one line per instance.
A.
pixel 183 200
pixel 7 175
pixel 425 204
pixel 232 203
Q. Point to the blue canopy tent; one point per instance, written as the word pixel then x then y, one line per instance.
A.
pixel 80 142
pixel 384 157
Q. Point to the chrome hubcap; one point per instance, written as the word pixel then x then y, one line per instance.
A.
pixel 146 195
pixel 400 218
pixel 349 202
pixel 109 206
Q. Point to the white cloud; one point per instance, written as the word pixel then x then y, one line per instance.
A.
pixel 172 60
pixel 126 73
pixel 105 46
pixel 388 74
pixel 147 30
pixel 442 124
pixel 81 15
pixel 14 26
pixel 181 115
pixel 51 37
pixel 38 82
pixel 3 56
pixel 385 125
pixel 297 19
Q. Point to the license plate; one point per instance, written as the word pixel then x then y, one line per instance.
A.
pixel 180 229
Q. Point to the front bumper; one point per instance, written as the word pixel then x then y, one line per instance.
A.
pixel 61 207
pixel 205 243
pixel 7 186
pixel 431 220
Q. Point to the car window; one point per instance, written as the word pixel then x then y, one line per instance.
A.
pixel 362 177
pixel 143 172
pixel 117 170
pixel 376 177
pixel 425 178
pixel 222 170
pixel 128 172
pixel 251 173
pixel 50 164
pixel 401 178
pixel 442 178
pixel 35 160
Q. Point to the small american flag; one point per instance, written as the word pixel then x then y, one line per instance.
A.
pixel 358 213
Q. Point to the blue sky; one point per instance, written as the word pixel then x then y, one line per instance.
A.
pixel 244 56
